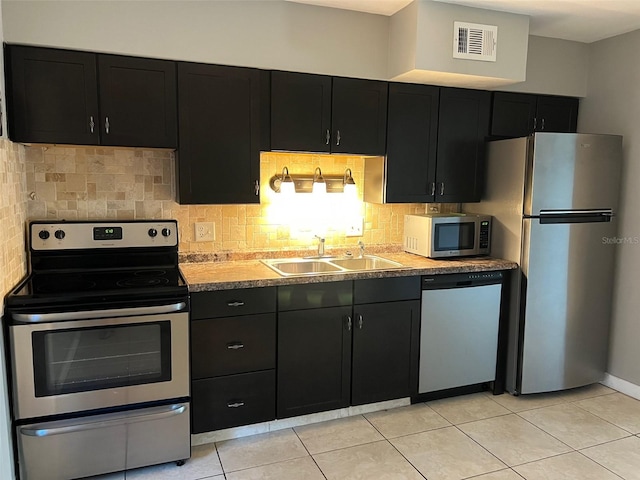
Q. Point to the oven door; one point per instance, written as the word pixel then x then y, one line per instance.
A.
pixel 80 365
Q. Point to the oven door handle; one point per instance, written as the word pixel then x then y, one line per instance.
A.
pixel 90 314
pixel 110 420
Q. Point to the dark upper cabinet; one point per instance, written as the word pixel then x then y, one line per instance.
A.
pixel 300 112
pixel 52 96
pixel 463 126
pixel 412 130
pixel 520 114
pixel 64 96
pixel 359 116
pixel 138 102
pixel 316 113
pixel 219 133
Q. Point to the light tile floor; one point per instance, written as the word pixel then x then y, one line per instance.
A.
pixel 583 434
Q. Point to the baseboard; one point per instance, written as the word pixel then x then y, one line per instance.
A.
pixel 621 385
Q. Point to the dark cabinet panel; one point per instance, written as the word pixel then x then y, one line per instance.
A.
pixel 314 351
pixel 462 129
pixel 315 295
pixel 138 102
pixel 359 116
pixel 52 96
pixel 231 401
pixel 520 114
pixel 228 345
pixel 219 134
pixel 300 112
pixel 375 290
pixel 240 301
pixel 384 351
pixel 412 130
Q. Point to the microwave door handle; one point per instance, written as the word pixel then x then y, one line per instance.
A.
pixel 41 430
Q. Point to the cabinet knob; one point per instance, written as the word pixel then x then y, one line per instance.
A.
pixel 433 188
pixel 360 322
pixel 328 137
pixel 235 404
pixel 349 323
pixel 338 138
pixel 92 124
pixel 542 125
pixel 442 188
pixel 535 124
pixel 106 124
pixel 257 187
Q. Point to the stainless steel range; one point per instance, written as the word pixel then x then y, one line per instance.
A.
pixel 99 342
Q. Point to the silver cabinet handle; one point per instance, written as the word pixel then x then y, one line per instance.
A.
pixel 542 129
pixel 237 404
pixel 106 124
pixel 235 303
pixel 256 186
pixel 442 188
pixel 433 188
pixel 360 321
pixel 535 123
pixel 349 322
pixel 235 345
pixel 101 421
pixel 91 123
pixel 328 137
pixel 338 138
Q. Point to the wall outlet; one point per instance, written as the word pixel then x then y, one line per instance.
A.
pixel 205 231
pixel 355 228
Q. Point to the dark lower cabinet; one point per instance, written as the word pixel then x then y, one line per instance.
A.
pixel 230 401
pixel 314 360
pixel 220 116
pixel 384 346
pixel 521 114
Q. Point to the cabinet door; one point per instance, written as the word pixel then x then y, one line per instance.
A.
pixel 412 130
pixel 557 114
pixel 52 96
pixel 138 104
pixel 385 351
pixel 219 134
pixel 300 112
pixel 462 129
pixel 314 351
pixel 513 114
pixel 359 116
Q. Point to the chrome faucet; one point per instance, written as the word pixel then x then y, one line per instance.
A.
pixel 361 245
pixel 320 245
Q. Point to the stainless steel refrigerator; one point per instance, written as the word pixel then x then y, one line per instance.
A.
pixel 554 198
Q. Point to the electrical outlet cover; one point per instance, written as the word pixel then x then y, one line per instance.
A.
pixel 205 231
pixel 355 228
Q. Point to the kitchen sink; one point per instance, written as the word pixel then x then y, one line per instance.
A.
pixel 329 265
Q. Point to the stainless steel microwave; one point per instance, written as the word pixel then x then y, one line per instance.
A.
pixel 442 235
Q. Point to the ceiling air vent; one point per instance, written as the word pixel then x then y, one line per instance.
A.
pixel 472 41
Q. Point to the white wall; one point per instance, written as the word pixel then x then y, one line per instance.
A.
pixel 612 105
pixel 262 34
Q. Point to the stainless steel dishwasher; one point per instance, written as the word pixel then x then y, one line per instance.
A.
pixel 460 317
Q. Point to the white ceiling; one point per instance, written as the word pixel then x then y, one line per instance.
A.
pixel 579 20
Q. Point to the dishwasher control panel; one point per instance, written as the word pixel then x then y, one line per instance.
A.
pixel 461 279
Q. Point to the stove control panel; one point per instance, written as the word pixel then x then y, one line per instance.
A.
pixel 75 235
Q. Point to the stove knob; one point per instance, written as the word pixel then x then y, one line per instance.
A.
pixel 43 234
pixel 59 234
pixel 153 232
pixel 166 232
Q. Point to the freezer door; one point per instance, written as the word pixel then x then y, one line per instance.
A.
pixel 572 171
pixel 566 304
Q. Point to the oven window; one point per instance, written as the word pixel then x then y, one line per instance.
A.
pixel 454 236
pixel 80 360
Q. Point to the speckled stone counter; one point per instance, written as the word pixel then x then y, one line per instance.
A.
pixel 252 273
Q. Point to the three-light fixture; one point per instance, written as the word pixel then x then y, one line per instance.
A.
pixel 288 184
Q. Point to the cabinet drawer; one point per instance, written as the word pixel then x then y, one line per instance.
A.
pixel 231 401
pixel 376 290
pixel 225 303
pixel 223 346
pixel 315 295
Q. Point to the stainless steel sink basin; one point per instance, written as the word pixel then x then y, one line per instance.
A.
pixel 365 263
pixel 329 265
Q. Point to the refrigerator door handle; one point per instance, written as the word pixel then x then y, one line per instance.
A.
pixel 575 216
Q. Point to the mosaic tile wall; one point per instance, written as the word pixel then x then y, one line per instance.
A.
pixel 123 183
pixel 13 208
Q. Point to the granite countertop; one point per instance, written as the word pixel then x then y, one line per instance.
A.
pixel 228 275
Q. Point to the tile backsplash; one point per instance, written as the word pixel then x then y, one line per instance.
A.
pixel 79 183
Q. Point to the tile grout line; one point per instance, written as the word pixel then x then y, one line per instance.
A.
pixel 305 447
pixel 598 463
